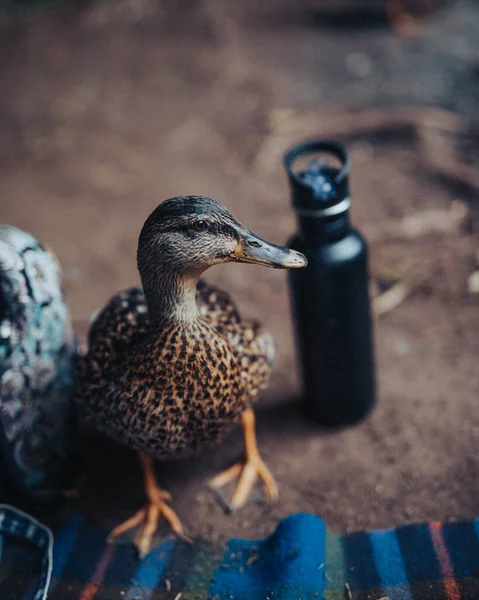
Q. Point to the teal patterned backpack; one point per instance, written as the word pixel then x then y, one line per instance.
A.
pixel 37 359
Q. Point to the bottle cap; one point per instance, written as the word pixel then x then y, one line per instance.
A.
pixel 321 190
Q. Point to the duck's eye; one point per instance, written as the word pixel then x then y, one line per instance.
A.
pixel 200 225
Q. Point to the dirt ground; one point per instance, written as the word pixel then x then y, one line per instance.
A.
pixel 109 108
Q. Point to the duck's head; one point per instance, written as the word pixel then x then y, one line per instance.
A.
pixel 191 233
pixel 183 237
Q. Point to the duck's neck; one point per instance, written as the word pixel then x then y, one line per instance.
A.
pixel 171 298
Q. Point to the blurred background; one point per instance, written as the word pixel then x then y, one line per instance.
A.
pixel 109 107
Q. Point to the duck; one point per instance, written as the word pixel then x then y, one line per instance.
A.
pixel 38 353
pixel 171 366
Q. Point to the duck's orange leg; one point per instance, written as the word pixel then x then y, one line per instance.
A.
pixel 148 517
pixel 248 472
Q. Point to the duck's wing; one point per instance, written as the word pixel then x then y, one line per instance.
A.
pixel 252 345
pixel 121 323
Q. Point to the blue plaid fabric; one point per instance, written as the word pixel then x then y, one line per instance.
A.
pixel 302 559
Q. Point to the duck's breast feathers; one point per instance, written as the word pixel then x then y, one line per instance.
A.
pixel 127 313
pixel 216 306
pixel 123 324
pixel 252 346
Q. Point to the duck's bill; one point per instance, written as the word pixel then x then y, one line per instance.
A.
pixel 254 250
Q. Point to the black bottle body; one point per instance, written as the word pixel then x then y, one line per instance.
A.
pixel 331 312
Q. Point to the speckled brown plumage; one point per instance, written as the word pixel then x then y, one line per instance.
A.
pixel 172 391
pixel 171 367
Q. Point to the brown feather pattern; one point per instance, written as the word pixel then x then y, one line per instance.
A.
pixel 173 389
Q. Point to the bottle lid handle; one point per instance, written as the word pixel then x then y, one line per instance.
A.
pixel 316 146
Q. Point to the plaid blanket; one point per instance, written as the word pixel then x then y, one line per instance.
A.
pixel 302 559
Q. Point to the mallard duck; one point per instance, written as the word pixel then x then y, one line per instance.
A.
pixel 37 356
pixel 172 367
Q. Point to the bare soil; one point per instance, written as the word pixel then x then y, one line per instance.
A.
pixel 109 108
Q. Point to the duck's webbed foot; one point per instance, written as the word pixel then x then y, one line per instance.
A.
pixel 247 472
pixel 148 517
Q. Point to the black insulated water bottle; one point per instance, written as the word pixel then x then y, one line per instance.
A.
pixel 330 298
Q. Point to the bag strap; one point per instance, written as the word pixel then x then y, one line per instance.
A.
pixel 16 523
